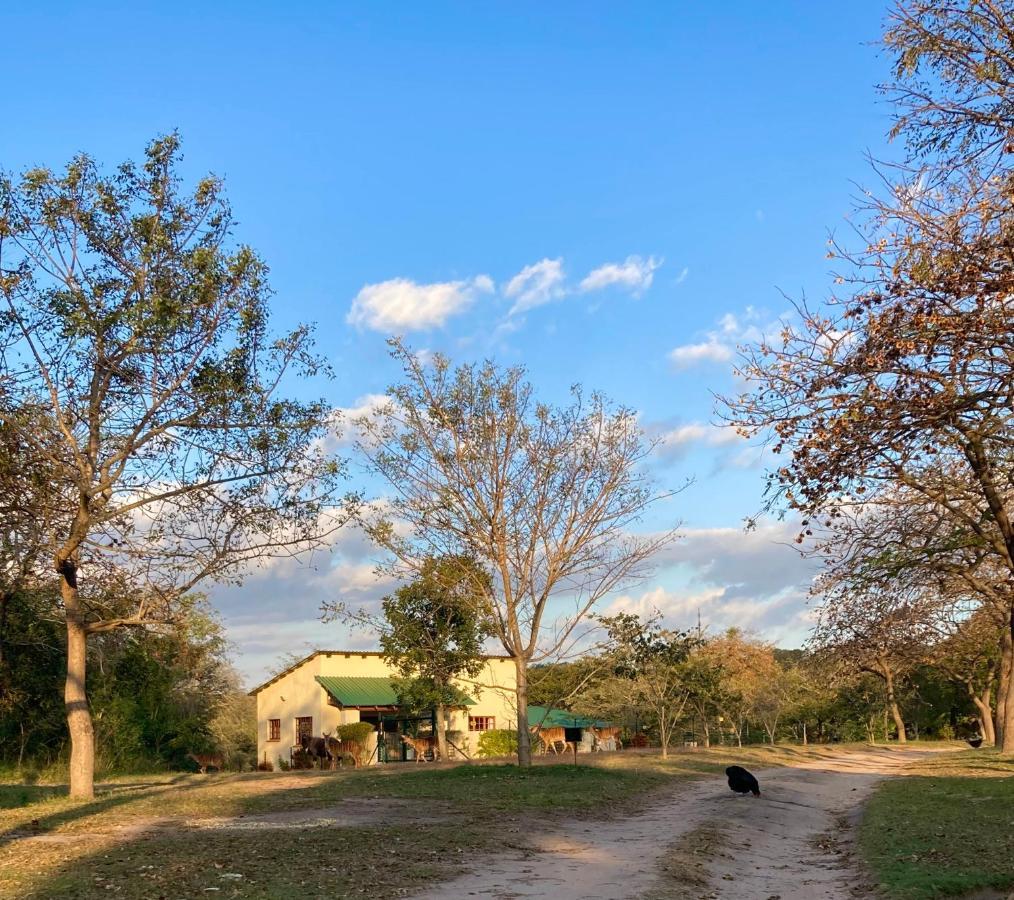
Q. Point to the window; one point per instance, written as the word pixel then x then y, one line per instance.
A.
pixel 304 728
pixel 481 723
pixel 274 729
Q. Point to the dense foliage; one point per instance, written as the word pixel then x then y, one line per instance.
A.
pixel 156 695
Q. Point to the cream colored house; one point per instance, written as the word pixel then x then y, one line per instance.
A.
pixel 335 687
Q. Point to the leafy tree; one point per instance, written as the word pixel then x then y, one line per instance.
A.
pixel 746 664
pixel 433 634
pixel 904 379
pixel 650 670
pixel 544 498
pixel 556 684
pixel 138 367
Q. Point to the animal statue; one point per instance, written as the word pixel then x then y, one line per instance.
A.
pixel 975 743
pixel 207 761
pixel 421 745
pixel 550 737
pixel 741 781
pixel 606 734
pixel 316 749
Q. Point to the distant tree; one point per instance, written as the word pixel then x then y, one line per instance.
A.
pixel 138 367
pixel 557 684
pixel 544 498
pixel 745 663
pixel 703 676
pixel 869 631
pixel 650 671
pixel 433 635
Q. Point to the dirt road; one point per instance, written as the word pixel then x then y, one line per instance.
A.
pixel 701 841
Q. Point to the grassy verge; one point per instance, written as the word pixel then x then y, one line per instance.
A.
pixel 946 830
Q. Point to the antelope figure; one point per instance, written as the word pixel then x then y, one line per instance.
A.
pixel 207 761
pixel 550 737
pixel 420 745
pixel 610 734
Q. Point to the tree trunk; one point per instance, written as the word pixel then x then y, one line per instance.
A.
pixel 79 718
pixel 984 707
pixel 805 740
pixel 892 705
pixel 5 599
pixel 707 731
pixel 442 732
pixel 1005 694
pixel 524 735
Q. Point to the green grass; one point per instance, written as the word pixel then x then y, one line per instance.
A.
pixel 945 830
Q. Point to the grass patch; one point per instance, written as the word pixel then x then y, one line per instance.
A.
pixel 946 829
pixel 315 862
pixel 507 788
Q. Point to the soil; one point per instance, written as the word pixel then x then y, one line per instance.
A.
pixel 702 841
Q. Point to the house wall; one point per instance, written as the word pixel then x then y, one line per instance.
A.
pixel 297 694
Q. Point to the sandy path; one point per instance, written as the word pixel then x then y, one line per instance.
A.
pixel 777 846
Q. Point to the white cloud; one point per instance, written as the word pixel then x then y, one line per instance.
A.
pixel 683 275
pixel 720 345
pixel 711 350
pixel 401 305
pixel 535 285
pixel 677 439
pixel 634 274
pixel 752 580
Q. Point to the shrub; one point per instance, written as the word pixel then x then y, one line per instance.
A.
pixel 283 764
pixel 357 732
pixel 265 766
pixel 498 742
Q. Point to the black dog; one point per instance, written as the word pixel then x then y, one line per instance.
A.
pixel 741 781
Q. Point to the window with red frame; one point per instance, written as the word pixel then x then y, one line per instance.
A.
pixel 481 723
pixel 274 729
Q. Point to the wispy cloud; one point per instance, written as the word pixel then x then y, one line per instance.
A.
pixel 676 440
pixel 535 285
pixel 719 345
pixel 401 305
pixel 635 274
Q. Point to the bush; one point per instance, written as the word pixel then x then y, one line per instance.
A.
pixel 357 732
pixel 498 742
pixel 265 766
pixel 283 764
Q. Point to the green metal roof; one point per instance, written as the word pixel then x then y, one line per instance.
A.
pixel 353 692
pixel 548 717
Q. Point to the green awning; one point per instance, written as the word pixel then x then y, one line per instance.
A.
pixel 548 717
pixel 369 692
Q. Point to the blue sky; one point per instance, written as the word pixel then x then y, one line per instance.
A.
pixel 612 194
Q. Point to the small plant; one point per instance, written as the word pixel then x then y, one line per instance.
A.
pixel 283 765
pixel 265 766
pixel 498 742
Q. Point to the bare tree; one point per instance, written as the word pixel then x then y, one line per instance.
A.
pixel 543 498
pixel 139 369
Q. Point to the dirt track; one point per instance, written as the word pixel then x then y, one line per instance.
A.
pixel 788 844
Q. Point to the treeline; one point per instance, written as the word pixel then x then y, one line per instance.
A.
pixel 156 694
pixel 668 687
